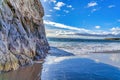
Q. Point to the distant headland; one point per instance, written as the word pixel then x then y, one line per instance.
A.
pixel 112 38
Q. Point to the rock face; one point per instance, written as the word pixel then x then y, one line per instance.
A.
pixel 22 33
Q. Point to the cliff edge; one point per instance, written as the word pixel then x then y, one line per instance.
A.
pixel 22 33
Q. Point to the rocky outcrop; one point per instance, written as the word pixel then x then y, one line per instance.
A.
pixel 22 33
pixel 112 38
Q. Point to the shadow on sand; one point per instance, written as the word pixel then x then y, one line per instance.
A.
pixel 59 53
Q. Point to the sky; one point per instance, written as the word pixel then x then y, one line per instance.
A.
pixel 82 17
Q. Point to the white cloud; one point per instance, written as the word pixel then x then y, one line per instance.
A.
pixel 66 11
pixel 115 30
pixel 45 0
pixel 111 6
pixel 59 32
pixel 59 5
pixel 92 4
pixel 59 25
pixel 48 15
pixel 93 10
pixel 73 30
pixel 97 27
pixel 54 1
pixel 69 6
pixel 56 8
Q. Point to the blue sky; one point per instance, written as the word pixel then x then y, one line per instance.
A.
pixel 82 16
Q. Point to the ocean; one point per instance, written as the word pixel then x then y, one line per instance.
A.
pixel 84 46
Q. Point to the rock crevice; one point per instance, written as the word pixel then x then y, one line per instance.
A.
pixel 22 33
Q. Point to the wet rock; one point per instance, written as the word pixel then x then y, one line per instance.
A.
pixel 22 33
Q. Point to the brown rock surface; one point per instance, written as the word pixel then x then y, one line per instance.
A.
pixel 22 33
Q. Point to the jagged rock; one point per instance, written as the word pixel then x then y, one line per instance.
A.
pixel 22 33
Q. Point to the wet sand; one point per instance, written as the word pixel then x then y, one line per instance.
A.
pixel 62 65
pixel 32 72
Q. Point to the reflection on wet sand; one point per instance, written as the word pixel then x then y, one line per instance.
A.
pixel 62 65
pixel 32 72
pixel 83 67
pixel 76 68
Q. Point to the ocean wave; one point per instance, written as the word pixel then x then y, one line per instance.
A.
pixel 87 47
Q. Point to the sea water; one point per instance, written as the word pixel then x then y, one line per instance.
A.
pixel 84 46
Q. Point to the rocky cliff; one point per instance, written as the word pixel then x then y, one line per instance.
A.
pixel 22 33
